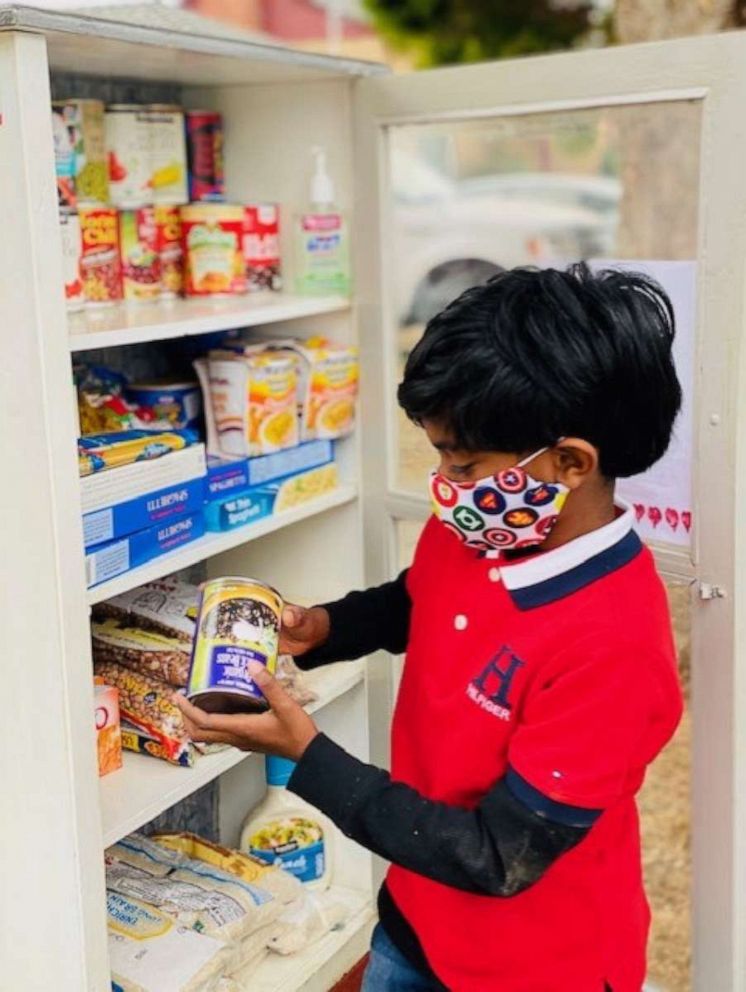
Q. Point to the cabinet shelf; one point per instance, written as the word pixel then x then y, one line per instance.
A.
pixel 120 325
pixel 216 543
pixel 146 786
pixel 320 966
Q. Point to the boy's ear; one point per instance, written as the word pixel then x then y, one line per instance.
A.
pixel 575 461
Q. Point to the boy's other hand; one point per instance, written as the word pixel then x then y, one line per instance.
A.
pixel 286 729
pixel 302 629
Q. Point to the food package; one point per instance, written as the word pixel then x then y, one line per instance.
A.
pixel 147 704
pixel 307 920
pixel 150 952
pixel 292 680
pixel 97 452
pixel 327 386
pixel 164 658
pixel 167 606
pixel 195 894
pixel 251 399
pixel 282 885
pixel 108 729
pixel 134 739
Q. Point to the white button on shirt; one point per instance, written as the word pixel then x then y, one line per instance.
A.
pixel 460 622
pixel 494 575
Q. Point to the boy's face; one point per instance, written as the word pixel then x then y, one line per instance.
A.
pixel 460 465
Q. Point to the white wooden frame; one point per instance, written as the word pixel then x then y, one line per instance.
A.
pixel 713 71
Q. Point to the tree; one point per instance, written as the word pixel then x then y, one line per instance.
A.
pixel 443 32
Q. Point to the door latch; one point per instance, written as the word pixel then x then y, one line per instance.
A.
pixel 709 591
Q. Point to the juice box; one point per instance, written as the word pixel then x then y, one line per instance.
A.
pixel 108 729
pixel 327 387
pixel 253 398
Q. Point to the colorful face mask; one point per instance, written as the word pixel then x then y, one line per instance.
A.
pixel 507 510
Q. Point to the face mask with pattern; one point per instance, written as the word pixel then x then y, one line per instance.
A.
pixel 508 510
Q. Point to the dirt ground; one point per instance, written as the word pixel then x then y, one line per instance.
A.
pixel 664 800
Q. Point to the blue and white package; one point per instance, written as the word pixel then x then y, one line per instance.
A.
pixel 107 561
pixel 143 512
pixel 290 461
pixel 225 476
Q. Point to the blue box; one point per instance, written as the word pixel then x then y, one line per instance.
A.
pixel 291 461
pixel 225 476
pixel 143 512
pixel 109 560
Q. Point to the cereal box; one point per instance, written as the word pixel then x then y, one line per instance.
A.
pixel 108 729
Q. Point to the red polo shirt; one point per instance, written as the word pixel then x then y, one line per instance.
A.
pixel 559 672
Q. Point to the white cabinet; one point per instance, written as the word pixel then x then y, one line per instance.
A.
pixel 57 817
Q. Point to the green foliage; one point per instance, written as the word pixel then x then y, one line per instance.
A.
pixel 444 32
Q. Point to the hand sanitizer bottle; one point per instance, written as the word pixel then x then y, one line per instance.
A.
pixel 322 239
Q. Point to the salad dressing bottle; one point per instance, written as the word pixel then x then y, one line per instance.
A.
pixel 285 831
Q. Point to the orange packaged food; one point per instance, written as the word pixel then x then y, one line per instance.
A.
pixel 108 729
pixel 100 263
pixel 170 250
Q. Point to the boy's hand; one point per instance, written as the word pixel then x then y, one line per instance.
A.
pixel 303 629
pixel 286 729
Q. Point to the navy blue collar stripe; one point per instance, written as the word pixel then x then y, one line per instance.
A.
pixel 559 586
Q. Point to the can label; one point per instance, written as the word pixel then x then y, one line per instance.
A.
pixel 141 266
pixel 71 248
pixel 100 263
pixel 295 844
pixel 170 250
pixel 261 246
pixel 86 120
pixel 64 157
pixel 168 161
pixel 212 250
pixel 238 622
pixel 204 131
pixel 129 154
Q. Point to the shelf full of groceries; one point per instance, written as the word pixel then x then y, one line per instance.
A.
pixel 143 217
pixel 251 435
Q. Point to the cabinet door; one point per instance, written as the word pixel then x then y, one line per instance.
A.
pixel 635 154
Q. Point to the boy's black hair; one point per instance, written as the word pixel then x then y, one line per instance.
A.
pixel 536 355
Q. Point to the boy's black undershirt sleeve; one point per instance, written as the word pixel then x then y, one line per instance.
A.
pixel 500 848
pixel 364 622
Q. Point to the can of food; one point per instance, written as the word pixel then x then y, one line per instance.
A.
pixel 261 246
pixel 86 120
pixel 64 156
pixel 141 264
pixel 213 259
pixel 168 158
pixel 100 263
pixel 238 622
pixel 173 403
pixel 128 149
pixel 204 134
pixel 170 250
pixel 71 249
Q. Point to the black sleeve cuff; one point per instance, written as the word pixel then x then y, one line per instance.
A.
pixel 332 780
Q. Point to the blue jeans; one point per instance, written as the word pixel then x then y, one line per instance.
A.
pixel 389 971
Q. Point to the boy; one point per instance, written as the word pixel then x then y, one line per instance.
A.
pixel 540 678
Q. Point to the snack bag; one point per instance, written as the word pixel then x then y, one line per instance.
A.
pixel 108 729
pixel 143 651
pixel 167 606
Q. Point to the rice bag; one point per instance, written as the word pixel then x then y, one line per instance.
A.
pixel 167 606
pixel 147 704
pixel 164 658
pixel 149 952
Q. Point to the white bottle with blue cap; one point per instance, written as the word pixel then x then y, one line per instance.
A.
pixel 284 831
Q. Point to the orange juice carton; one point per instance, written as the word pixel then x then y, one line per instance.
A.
pixel 327 386
pixel 253 395
pixel 108 728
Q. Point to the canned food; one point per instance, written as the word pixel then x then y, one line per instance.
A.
pixel 71 248
pixel 170 250
pixel 100 263
pixel 213 260
pixel 204 131
pixel 261 246
pixel 64 157
pixel 85 118
pixel 129 154
pixel 168 159
pixel 238 622
pixel 141 265
pixel 177 403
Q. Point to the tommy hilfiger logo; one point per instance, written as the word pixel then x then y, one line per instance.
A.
pixel 491 689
